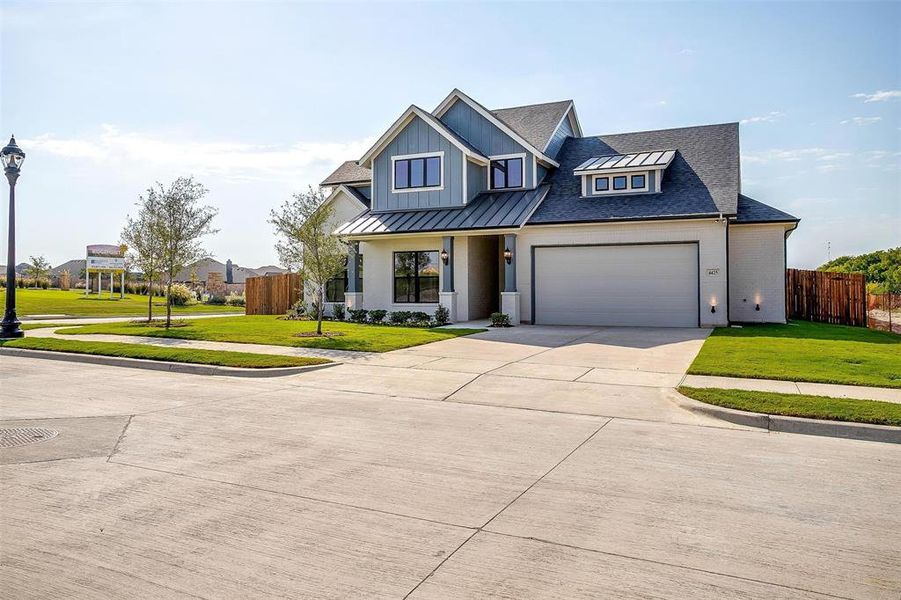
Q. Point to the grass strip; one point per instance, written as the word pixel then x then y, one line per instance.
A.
pixel 220 358
pixel 800 405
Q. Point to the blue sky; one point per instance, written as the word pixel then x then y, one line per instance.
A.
pixel 260 99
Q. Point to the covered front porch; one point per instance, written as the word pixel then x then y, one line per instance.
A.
pixel 472 274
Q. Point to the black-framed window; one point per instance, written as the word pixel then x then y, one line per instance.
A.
pixel 422 172
pixel 638 182
pixel 336 287
pixel 602 184
pixel 619 182
pixel 416 277
pixel 506 173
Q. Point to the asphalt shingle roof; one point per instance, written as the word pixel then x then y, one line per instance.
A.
pixel 703 178
pixel 753 211
pixel 488 210
pixel 348 172
pixel 535 122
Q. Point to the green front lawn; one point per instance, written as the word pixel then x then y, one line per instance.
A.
pixel 182 355
pixel 74 303
pixel 800 405
pixel 259 329
pixel 803 351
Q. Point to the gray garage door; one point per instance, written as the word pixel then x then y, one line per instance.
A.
pixel 641 285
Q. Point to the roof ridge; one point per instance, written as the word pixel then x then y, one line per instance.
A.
pixel 601 135
pixel 532 105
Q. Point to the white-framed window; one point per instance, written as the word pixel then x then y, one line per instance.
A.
pixel 619 183
pixel 422 172
pixel 507 172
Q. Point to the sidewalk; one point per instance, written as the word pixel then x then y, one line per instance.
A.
pixel 790 387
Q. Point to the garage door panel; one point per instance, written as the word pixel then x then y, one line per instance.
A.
pixel 640 285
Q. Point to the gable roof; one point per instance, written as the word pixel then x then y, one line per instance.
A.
pixel 753 211
pixel 414 111
pixel 456 95
pixel 349 172
pixel 488 210
pixel 702 180
pixel 536 122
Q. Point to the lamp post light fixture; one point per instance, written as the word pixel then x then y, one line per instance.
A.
pixel 508 255
pixel 12 158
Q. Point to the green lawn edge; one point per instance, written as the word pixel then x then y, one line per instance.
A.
pixel 74 303
pixel 800 405
pixel 272 330
pixel 803 351
pixel 221 358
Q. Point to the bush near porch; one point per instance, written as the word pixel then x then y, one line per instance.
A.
pixel 803 351
pixel 274 330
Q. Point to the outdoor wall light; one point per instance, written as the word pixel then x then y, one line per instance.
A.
pixel 444 257
pixel 508 255
pixel 757 306
pixel 713 308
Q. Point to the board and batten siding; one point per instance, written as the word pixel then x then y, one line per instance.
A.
pixel 418 137
pixel 564 131
pixel 476 180
pixel 485 136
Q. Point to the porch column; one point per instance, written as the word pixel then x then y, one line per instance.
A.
pixel 510 297
pixel 353 297
pixel 447 297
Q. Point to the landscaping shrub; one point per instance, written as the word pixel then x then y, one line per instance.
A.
pixel 235 300
pixel 499 319
pixel 297 312
pixel 338 311
pixel 358 315
pixel 420 318
pixel 180 295
pixel 377 316
pixel 216 300
pixel 442 316
pixel 400 317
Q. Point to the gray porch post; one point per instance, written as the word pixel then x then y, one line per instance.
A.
pixel 353 298
pixel 448 297
pixel 510 295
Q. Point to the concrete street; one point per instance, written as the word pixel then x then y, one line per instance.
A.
pixel 534 462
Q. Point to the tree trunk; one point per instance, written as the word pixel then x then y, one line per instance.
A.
pixel 321 304
pixel 168 303
pixel 150 301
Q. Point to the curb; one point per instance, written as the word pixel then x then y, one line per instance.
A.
pixel 781 424
pixel 159 365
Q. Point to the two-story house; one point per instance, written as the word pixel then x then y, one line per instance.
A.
pixel 515 210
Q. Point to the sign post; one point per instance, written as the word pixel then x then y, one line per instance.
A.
pixel 101 259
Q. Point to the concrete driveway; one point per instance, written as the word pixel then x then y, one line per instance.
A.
pixel 513 464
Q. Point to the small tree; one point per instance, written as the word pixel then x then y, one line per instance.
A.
pixel 141 235
pixel 306 242
pixel 38 269
pixel 181 225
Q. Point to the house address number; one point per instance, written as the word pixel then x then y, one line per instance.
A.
pixel 713 272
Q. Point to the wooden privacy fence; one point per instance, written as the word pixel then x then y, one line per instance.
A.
pixel 839 298
pixel 271 294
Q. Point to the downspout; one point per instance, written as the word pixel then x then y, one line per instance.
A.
pixel 785 263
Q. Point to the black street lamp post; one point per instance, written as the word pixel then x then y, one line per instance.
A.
pixel 12 157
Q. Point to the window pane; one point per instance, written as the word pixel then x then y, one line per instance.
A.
pixel 417 172
pixel 638 181
pixel 514 172
pixel 404 264
pixel 428 289
pixel 433 171
pixel 428 263
pixel 404 289
pixel 619 183
pixel 498 174
pixel 401 174
pixel 601 184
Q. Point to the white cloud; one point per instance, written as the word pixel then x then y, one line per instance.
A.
pixel 880 96
pixel 861 120
pixel 776 154
pixel 686 51
pixel 770 117
pixel 233 161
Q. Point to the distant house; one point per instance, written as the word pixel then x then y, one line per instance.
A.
pixel 231 273
pixel 516 210
pixel 75 267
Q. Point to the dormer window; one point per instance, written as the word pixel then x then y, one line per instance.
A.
pixel 638 182
pixel 601 184
pixel 506 172
pixel 638 173
pixel 417 172
pixel 619 183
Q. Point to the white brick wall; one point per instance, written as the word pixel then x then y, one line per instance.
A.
pixel 757 273
pixel 710 235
